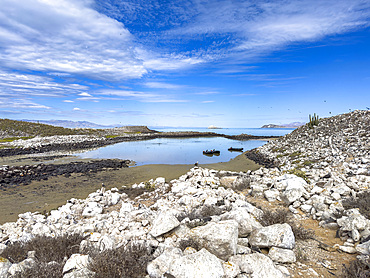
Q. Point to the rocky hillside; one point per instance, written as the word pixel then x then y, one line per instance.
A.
pixel 211 223
pixel 13 129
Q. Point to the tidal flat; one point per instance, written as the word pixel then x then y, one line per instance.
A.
pixel 45 195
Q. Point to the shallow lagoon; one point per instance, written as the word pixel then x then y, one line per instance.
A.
pixel 181 150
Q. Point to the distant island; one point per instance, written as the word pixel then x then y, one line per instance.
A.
pixel 214 127
pixel 291 125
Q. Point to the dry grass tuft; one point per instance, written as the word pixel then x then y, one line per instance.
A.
pixel 127 261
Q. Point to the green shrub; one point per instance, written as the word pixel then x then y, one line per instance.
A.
pixel 299 173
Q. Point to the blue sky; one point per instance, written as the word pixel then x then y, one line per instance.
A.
pixel 183 63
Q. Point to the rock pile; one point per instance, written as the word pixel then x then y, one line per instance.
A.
pixel 201 224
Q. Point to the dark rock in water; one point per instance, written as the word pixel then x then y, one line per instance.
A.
pixel 16 175
pixel 260 159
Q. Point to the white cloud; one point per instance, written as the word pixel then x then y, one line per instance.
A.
pixel 20 104
pixel 140 96
pixel 67 100
pixel 76 109
pixel 208 101
pixel 85 94
pixel 163 85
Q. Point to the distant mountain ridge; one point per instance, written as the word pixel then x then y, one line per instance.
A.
pixel 290 125
pixel 69 124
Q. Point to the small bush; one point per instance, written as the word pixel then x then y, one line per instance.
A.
pixel 184 243
pixel 47 248
pixel 299 173
pixel 300 232
pixel 361 202
pixel 357 269
pixel 281 216
pixel 127 261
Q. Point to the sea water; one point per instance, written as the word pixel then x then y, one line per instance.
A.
pixel 182 150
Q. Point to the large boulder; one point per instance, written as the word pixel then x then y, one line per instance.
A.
pixel 161 264
pixel 246 222
pixel 281 255
pixel 220 238
pixel 163 223
pixel 201 264
pixel 278 235
pixel 257 265
pixel 293 192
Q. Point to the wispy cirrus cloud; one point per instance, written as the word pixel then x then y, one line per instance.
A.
pixel 140 96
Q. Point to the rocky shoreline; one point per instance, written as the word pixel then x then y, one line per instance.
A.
pixel 21 175
pixel 210 223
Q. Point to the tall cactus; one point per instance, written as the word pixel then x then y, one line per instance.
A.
pixel 313 120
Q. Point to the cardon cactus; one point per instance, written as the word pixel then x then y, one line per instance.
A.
pixel 313 120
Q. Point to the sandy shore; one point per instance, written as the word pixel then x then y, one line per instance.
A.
pixel 49 194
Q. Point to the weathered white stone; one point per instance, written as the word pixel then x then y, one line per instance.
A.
pixel 281 255
pixel 80 273
pixel 5 264
pixel 348 249
pixel 75 262
pixel 164 222
pixel 92 209
pixel 246 222
pixel 126 208
pixel 16 269
pixel 293 191
pixel 364 248
pixel 278 235
pixel 219 238
pixel 258 265
pixel 271 195
pixel 231 270
pixel 161 264
pixel 202 264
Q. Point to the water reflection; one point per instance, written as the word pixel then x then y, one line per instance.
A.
pixel 172 151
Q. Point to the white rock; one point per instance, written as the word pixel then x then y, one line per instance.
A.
pixel 75 262
pixel 80 273
pixel 364 248
pixel 219 238
pixel 161 264
pixel 258 265
pixel 281 255
pixel 271 195
pixel 231 270
pixel 125 208
pixel 4 266
pixel 246 222
pixel 202 264
pixel 92 209
pixel 164 222
pixel 278 235
pixel 293 192
pixel 348 249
